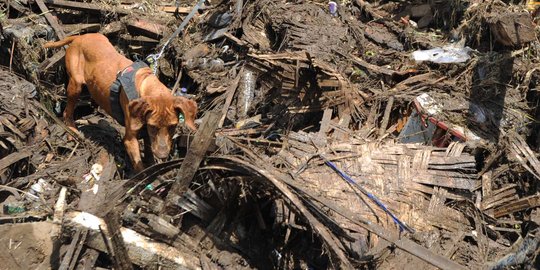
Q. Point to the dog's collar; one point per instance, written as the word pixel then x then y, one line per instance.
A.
pixel 125 80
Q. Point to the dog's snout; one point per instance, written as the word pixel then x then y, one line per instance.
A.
pixel 161 149
pixel 162 144
pixel 161 153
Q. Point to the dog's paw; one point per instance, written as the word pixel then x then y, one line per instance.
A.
pixel 76 132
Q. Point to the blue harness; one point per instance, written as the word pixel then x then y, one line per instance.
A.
pixel 125 80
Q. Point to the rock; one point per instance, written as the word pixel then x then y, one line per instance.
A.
pixel 512 29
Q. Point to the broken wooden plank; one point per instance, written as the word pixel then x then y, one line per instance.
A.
pixel 430 191
pixel 77 252
pixel 60 206
pixel 13 157
pixel 113 28
pixel 190 202
pixel 120 255
pixel 171 9
pixel 49 62
pixel 138 26
pixel 184 140
pixel 87 7
pixel 88 259
pixel 320 139
pixel 51 19
pixel 386 117
pixel 59 210
pixel 73 29
pixel 341 130
pixel 498 197
pixel 141 249
pixel 376 69
pixel 441 181
pixel 70 254
pixel 194 156
pixel 231 90
pixel 234 39
pixel 325 122
pixel 4 121
pixel 139 40
pixel 523 153
pixel 516 206
pixel 161 226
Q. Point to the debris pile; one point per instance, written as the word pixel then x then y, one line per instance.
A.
pixel 332 135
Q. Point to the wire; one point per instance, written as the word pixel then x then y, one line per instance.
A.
pixel 398 222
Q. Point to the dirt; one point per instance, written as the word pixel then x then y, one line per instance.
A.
pixel 26 246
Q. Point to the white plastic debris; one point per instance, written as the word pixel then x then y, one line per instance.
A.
pixel 429 104
pixel 39 187
pixel 94 175
pixel 444 55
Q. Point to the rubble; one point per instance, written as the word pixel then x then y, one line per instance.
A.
pixel 332 135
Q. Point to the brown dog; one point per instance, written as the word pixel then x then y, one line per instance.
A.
pixel 92 60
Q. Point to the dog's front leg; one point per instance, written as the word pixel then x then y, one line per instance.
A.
pixel 148 154
pixel 132 148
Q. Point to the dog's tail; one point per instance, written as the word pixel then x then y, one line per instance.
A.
pixel 60 43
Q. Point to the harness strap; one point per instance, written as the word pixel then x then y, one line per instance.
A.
pixel 125 80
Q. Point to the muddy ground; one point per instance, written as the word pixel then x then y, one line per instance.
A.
pixel 322 144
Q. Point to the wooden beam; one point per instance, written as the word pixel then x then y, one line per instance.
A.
pixel 78 28
pixel 146 28
pixel 88 7
pixel 51 19
pixel 74 248
pixel 139 40
pixel 120 257
pixel 141 249
pixel 49 62
pixel 13 157
pixel 59 33
pixel 196 152
pixel 518 205
pixel 386 117
pixel 230 95
pixel 171 9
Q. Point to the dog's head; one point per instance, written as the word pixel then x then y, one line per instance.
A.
pixel 160 115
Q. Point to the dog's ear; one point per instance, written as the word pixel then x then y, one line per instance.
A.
pixel 138 112
pixel 188 108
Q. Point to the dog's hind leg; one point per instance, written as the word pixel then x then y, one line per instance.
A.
pixel 75 69
pixel 73 92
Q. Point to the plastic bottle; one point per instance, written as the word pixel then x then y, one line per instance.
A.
pixel 247 93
